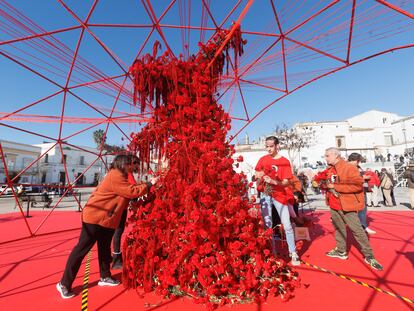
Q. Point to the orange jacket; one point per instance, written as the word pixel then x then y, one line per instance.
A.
pixel 110 198
pixel 349 184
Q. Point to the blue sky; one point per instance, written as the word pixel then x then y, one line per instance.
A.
pixel 383 83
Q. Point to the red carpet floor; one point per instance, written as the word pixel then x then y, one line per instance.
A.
pixel 31 267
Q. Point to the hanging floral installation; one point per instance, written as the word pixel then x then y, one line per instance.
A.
pixel 196 237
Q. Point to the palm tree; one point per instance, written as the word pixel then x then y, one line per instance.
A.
pixel 99 138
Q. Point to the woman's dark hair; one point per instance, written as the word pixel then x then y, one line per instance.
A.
pixel 120 161
pixel 354 156
pixel 274 138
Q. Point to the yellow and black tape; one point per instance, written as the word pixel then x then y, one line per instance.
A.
pixel 359 282
pixel 86 283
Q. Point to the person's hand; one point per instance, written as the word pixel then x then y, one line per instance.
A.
pixel 154 180
pixel 269 180
pixel 259 174
pixel 285 182
pixel 330 186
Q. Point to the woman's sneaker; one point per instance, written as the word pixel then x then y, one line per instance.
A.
pixel 373 263
pixel 64 292
pixel 370 231
pixel 108 281
pixel 295 259
pixel 337 254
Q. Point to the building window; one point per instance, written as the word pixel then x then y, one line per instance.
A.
pixel 43 178
pixel 388 140
pixel 340 141
pixel 63 160
pixel 46 158
pixel 82 160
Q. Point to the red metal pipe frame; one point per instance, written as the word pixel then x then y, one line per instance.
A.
pixel 30 69
pixel 311 17
pixel 265 34
pixel 87 104
pixel 209 13
pixel 248 68
pixel 263 85
pixel 317 78
pixel 39 35
pixel 30 105
pixel 396 8
pixel 276 17
pixel 351 29
pixel 110 53
pixel 229 14
pixel 74 120
pixel 153 17
pixel 315 49
pixel 26 131
pixel 96 81
pixel 119 25
pixel 32 163
pixel 68 188
pixel 230 34
pixel 10 184
pixel 83 130
pixel 144 43
pixel 68 79
pixel 236 77
pixel 284 65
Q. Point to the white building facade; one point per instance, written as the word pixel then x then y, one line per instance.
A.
pixel 374 134
pixel 82 165
pixel 18 157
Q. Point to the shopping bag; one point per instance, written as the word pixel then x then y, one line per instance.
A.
pixel 302 233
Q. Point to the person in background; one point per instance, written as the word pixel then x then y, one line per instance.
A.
pixel 304 180
pixel 100 216
pixel 20 190
pixel 373 183
pixel 355 159
pixel 345 197
pixel 386 186
pixel 409 174
pixel 297 196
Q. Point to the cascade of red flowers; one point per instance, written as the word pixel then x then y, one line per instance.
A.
pixel 196 236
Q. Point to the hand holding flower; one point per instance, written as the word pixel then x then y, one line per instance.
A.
pixel 331 189
pixel 269 180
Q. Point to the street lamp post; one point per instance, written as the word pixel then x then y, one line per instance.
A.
pixel 405 136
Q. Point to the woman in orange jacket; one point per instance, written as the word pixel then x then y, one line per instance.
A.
pixel 100 216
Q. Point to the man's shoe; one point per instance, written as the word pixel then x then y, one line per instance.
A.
pixel 337 254
pixel 370 231
pixel 373 263
pixel 64 292
pixel 295 259
pixel 108 281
